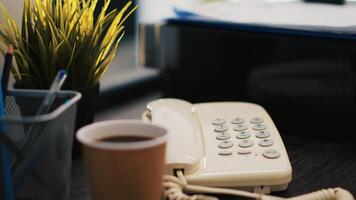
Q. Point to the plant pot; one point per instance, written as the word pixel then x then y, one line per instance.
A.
pixel 85 114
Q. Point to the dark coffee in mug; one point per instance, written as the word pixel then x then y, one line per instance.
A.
pixel 124 138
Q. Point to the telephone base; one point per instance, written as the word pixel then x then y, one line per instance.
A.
pixel 222 144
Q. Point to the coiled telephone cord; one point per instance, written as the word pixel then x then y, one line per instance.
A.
pixel 174 188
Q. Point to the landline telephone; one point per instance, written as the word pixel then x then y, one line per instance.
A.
pixel 214 146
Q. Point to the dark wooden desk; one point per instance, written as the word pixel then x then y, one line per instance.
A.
pixel 316 164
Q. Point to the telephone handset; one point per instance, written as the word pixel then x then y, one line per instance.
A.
pixel 183 149
pixel 223 144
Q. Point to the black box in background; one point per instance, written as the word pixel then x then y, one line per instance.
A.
pixel 306 83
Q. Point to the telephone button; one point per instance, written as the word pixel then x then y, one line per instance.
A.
pixel 244 151
pixel 223 136
pixel 259 127
pixel 271 153
pixel 218 121
pixel 263 134
pixel 243 135
pixel 221 128
pixel 225 152
pixel 240 127
pixel 246 143
pixel 256 120
pixel 266 143
pixel 225 144
pixel 237 121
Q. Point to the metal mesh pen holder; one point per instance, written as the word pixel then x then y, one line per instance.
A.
pixel 39 146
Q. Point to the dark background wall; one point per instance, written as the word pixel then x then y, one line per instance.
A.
pixel 130 23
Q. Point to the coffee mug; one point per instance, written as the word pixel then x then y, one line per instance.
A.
pixel 125 159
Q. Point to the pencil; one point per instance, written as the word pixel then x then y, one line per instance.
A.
pixel 7 68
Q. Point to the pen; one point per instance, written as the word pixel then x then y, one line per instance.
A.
pixel 55 87
pixel 7 68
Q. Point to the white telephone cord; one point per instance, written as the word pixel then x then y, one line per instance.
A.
pixel 174 188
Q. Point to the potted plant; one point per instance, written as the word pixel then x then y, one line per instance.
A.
pixel 57 34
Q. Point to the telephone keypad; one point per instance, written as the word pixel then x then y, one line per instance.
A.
pixel 225 152
pixel 243 135
pixel 218 121
pixel 271 153
pixel 221 128
pixel 266 143
pixel 245 143
pixel 259 127
pixel 240 127
pixel 238 120
pixel 262 134
pixel 226 144
pixel 223 136
pixel 256 120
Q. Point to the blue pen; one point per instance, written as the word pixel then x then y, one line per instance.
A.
pixel 55 87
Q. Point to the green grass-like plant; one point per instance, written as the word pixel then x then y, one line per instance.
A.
pixel 63 34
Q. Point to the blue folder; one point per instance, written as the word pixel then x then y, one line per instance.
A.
pixel 189 18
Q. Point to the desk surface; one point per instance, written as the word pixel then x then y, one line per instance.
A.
pixel 316 164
